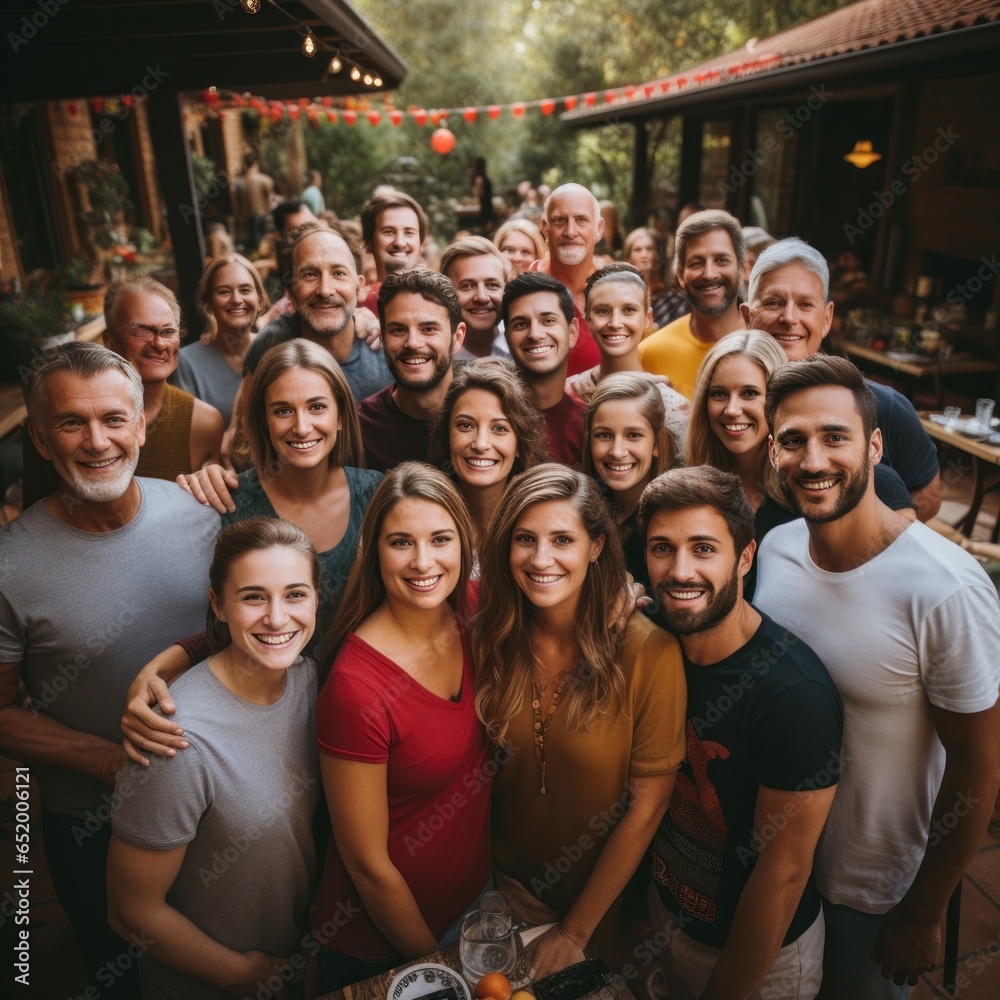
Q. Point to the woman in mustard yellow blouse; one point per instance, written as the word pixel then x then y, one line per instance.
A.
pixel 590 723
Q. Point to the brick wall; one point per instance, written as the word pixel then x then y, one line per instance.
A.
pixel 71 135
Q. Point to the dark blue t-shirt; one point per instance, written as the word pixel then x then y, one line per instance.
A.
pixel 769 715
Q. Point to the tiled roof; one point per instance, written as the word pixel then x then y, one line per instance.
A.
pixel 861 26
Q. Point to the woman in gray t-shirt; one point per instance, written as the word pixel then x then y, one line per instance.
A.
pixel 212 863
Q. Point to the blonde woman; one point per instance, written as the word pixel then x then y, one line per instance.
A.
pixel 521 242
pixel 591 723
pixel 231 297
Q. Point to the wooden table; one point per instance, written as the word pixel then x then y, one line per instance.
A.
pixel 920 369
pixel 377 987
pixel 12 409
pixel 985 470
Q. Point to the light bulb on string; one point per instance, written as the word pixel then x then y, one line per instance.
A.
pixel 378 81
pixel 250 6
pixel 368 80
pixel 336 65
pixel 309 45
pixel 355 73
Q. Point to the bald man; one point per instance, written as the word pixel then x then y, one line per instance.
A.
pixel 572 227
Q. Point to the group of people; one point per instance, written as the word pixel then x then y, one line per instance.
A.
pixel 504 588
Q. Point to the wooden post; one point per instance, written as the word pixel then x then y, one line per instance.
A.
pixel 173 168
pixel 690 161
pixel 640 177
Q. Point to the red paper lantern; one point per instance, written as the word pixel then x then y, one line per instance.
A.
pixel 590 99
pixel 470 114
pixel 331 117
pixel 443 141
pixel 517 110
pixel 350 116
pixel 374 117
pixel 395 117
pixel 547 106
pixel 494 111
pixel 570 103
pixel 420 116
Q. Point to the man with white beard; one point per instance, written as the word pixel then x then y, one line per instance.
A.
pixel 572 227
pixel 96 578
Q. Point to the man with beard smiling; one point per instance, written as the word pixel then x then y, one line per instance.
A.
pixel 788 298
pixel 96 578
pixel 572 226
pixel 732 890
pixel 908 624
pixel 708 261
pixel 325 285
pixel 422 329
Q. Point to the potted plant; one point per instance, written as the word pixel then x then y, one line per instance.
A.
pixel 29 323
pixel 83 295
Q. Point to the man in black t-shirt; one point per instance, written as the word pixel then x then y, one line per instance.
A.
pixel 733 899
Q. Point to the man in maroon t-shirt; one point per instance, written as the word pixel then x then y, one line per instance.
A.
pixel 393 229
pixel 421 330
pixel 541 329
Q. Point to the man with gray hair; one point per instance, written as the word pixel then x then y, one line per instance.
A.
pixel 788 297
pixel 708 261
pixel 95 580
pixel 573 226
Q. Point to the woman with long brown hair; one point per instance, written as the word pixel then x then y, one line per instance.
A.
pixel 488 431
pixel 399 738
pixel 592 722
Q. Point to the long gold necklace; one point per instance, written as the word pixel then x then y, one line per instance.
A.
pixel 541 726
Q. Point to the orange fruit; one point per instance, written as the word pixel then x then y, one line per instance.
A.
pixel 493 986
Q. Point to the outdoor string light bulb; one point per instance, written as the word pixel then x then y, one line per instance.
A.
pixel 378 81
pixel 355 73
pixel 368 80
pixel 336 65
pixel 250 6
pixel 309 45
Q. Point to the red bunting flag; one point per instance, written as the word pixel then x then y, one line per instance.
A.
pixel 350 117
pixel 395 116
pixel 420 116
pixel 494 111
pixel 590 99
pixel 570 103
pixel 470 114
pixel 517 110
pixel 374 117
pixel 547 106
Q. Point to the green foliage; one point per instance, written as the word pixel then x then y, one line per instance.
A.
pixel 462 54
pixel 26 321
pixel 108 194
pixel 204 170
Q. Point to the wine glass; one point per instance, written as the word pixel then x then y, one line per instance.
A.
pixel 488 944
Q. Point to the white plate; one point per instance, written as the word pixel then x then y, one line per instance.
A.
pixel 428 977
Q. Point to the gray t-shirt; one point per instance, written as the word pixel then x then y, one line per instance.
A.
pixel 365 370
pixel 83 611
pixel 204 372
pixel 241 797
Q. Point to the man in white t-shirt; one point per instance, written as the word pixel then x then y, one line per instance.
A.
pixel 908 625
